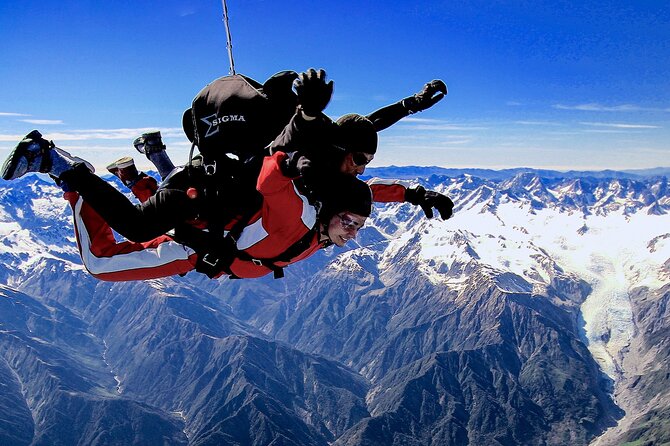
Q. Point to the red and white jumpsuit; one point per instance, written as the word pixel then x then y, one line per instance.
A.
pixel 285 217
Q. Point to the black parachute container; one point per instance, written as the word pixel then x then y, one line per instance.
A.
pixel 231 121
pixel 236 117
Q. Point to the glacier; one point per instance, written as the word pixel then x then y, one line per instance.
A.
pixel 609 248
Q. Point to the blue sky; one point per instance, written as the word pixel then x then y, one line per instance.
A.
pixel 546 84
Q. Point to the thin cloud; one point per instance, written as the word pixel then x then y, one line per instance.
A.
pixel 449 127
pixel 565 133
pixel 604 131
pixel 538 123
pixel 12 114
pixel 123 133
pixel 415 119
pixel 457 142
pixel 414 123
pixel 598 107
pixel 416 141
pixel 620 125
pixel 42 121
pixel 607 108
pixel 100 134
pixel 11 138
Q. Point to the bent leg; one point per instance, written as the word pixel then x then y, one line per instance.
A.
pixel 157 215
pixel 107 259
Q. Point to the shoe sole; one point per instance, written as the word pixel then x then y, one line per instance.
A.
pixel 119 164
pixel 10 164
pixel 124 162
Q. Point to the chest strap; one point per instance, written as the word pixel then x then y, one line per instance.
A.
pixel 290 253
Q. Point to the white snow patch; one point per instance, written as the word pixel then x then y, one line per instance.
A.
pixel 614 253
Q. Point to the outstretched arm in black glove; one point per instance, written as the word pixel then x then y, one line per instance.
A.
pixel 430 95
pixel 313 91
pixel 428 200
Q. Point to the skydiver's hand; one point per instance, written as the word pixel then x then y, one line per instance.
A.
pixel 313 91
pixel 431 94
pixel 428 200
pixel 296 165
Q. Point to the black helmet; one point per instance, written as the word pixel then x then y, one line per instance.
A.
pixel 356 133
pixel 344 193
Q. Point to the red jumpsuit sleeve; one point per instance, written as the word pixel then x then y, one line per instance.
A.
pixel 284 211
pixel 271 180
pixel 387 191
pixel 286 216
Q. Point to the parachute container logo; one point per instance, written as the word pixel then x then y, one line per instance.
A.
pixel 213 121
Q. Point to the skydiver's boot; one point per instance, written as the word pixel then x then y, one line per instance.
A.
pixel 141 185
pixel 35 154
pixel 124 169
pixel 151 144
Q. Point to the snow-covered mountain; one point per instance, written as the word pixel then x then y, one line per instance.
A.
pixel 537 315
pixel 614 234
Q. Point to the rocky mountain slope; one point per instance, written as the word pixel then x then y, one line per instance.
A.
pixel 537 315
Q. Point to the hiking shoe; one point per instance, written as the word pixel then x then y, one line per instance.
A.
pixel 150 142
pixel 31 154
pixel 125 170
pixel 126 161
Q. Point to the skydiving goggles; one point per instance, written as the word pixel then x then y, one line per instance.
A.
pixel 348 224
pixel 360 159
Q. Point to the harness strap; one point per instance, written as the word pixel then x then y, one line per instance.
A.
pixel 216 251
pixel 292 251
pixel 217 254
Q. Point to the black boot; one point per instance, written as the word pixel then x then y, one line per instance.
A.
pixel 31 154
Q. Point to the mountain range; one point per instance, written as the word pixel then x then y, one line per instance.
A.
pixel 537 315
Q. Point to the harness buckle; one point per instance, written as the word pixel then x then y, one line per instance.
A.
pixel 206 259
pixel 210 169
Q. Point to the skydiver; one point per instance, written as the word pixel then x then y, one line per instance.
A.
pixel 355 138
pixel 286 229
pixel 113 206
pixel 310 133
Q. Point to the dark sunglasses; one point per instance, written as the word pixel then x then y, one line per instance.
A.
pixel 360 159
pixel 347 223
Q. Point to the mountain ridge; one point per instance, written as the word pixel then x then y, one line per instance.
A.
pixel 510 323
pixel 412 172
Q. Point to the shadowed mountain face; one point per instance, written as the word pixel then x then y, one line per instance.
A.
pixel 57 383
pixel 508 324
pixel 489 364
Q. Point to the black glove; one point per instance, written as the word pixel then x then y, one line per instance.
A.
pixel 431 94
pixel 296 165
pixel 313 91
pixel 428 200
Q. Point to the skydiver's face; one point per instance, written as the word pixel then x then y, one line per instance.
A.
pixel 344 227
pixel 354 163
